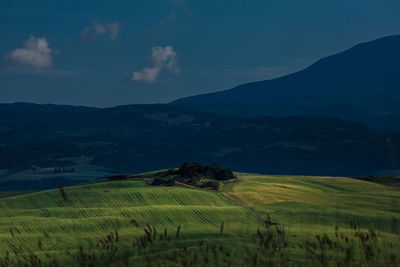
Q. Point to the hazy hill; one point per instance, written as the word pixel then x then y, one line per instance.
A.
pixel 66 142
pixel 360 84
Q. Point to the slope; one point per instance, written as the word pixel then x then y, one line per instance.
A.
pixel 303 206
pixel 360 84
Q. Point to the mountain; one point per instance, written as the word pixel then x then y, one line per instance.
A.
pixel 51 143
pixel 361 84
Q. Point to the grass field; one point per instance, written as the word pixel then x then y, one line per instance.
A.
pixel 321 203
pixel 9 193
pixel 43 222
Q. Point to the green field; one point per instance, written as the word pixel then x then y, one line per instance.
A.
pixel 321 203
pixel 9 193
pixel 45 224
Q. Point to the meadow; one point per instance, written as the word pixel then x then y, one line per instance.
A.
pixel 299 216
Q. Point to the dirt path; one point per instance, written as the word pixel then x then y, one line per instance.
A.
pixel 225 191
pixel 260 215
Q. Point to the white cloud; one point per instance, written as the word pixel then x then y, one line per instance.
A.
pixel 146 75
pixel 111 29
pixel 162 58
pixel 35 54
pixel 165 57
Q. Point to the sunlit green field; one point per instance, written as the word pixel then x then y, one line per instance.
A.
pixel 43 222
pixel 320 203
pixel 92 211
pixel 307 206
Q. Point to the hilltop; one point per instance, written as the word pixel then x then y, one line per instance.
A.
pixel 361 84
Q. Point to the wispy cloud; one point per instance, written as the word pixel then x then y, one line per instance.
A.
pixel 183 5
pixel 146 75
pixel 111 29
pixel 178 11
pixel 162 58
pixel 36 54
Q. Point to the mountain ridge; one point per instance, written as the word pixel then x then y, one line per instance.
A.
pixel 363 79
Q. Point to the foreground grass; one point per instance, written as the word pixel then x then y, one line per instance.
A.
pixel 46 225
pixel 94 209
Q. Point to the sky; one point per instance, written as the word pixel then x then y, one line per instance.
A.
pixel 106 53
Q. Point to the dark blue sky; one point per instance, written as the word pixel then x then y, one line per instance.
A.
pixel 104 53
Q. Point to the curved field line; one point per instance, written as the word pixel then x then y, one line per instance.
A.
pixel 258 214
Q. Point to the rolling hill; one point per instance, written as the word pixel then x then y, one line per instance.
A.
pixel 66 144
pixel 360 84
pixel 47 224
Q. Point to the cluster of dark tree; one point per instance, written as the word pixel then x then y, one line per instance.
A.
pixel 195 174
pixel 63 170
pixel 212 171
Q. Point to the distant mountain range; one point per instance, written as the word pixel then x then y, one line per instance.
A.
pixel 361 84
pixel 55 143
pixel 43 145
